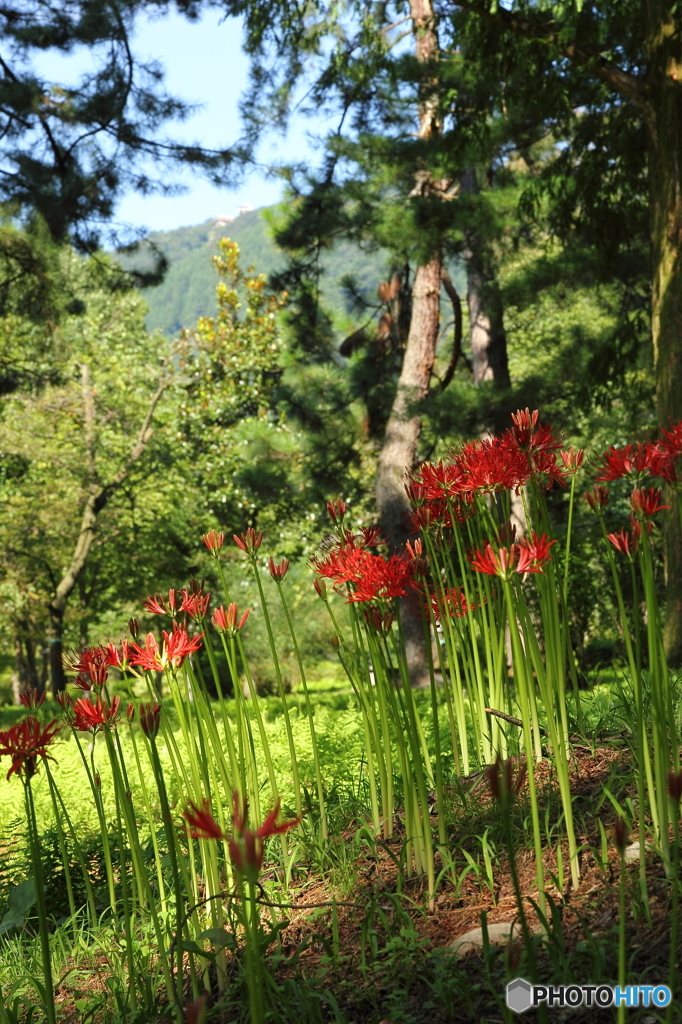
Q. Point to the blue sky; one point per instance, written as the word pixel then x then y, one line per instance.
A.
pixel 204 64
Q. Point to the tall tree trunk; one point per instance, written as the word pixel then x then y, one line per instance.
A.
pixel 399 448
pixel 486 323
pixel 664 81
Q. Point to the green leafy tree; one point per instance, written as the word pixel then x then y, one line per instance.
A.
pixel 82 468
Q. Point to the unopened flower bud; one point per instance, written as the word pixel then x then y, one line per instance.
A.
pixel 130 712
pixel 620 833
pixel 675 785
pixel 336 510
pixel 321 588
pixel 98 780
pixel 150 717
pixel 597 498
pixel 335 641
pixel 249 542
pixel 278 572
pixel 213 541
pixel 134 627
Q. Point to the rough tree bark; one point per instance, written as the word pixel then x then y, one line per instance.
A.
pixel 399 448
pixel 664 86
pixel 98 496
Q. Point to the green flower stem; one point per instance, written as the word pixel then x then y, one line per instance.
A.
pixel 62 812
pixel 645 779
pixel 280 685
pixel 520 667
pixel 150 817
pixel 139 869
pixel 34 842
pixel 63 852
pixel 452 659
pixel 309 709
pixel 171 841
pixel 99 806
pixel 440 801
pixel 125 904
pixel 660 697
pixel 253 955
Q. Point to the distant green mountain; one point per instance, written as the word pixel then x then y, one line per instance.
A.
pixel 188 290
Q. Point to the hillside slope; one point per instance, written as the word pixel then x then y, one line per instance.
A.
pixel 188 290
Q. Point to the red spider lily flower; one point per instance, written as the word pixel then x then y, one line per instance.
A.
pixel 416 493
pixel 646 502
pixel 155 604
pixel 370 577
pixel 631 460
pixel 670 448
pixel 91 667
pixel 32 699
pixel 533 553
pixel 572 459
pixel 278 572
pixel 226 621
pixel 529 436
pixel 336 510
pixel 527 555
pixel 436 481
pixel 672 439
pixel 177 645
pixel 119 655
pixel 202 824
pixel 213 541
pixel 249 541
pixel 624 542
pixel 597 498
pixel 493 464
pixel 451 601
pixel 369 537
pixel 545 469
pixel 64 700
pixel 491 562
pixel 247 846
pixel 150 718
pixel 89 717
pixel 25 743
pixel 195 604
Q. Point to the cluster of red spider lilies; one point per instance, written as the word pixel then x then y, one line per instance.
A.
pixel 467 574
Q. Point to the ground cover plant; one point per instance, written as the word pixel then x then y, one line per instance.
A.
pixel 178 846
